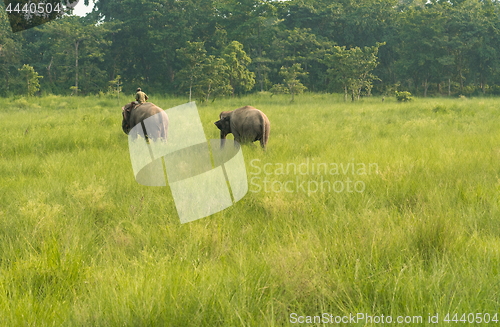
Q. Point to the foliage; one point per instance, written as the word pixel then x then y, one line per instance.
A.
pixel 291 81
pixel 403 96
pixel 31 77
pixel 205 75
pixel 194 56
pixel 215 79
pixel 431 48
pixel 237 61
pixel 116 86
pixel 351 68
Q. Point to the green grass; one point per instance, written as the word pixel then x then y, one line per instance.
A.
pixel 82 244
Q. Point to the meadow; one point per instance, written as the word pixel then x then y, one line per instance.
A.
pixel 83 244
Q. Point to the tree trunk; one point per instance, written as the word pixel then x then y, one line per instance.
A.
pixel 461 77
pixel 48 68
pixel 345 97
pixel 208 91
pixel 260 77
pixel 260 57
pixel 449 86
pixel 76 67
pixel 425 88
pixel 85 80
pixel 170 72
pixel 232 87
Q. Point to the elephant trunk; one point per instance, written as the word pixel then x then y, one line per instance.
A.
pixel 222 138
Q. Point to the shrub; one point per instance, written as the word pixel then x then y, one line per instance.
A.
pixel 494 89
pixel 469 90
pixel 403 96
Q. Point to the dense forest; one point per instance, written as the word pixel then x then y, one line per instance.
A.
pixel 209 48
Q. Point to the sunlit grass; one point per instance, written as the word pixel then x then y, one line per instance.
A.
pixel 81 243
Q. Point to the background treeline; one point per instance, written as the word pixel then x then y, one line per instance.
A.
pixel 183 46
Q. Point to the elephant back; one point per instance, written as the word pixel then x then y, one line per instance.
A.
pixel 158 127
pixel 143 111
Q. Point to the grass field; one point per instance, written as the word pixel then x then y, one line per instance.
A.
pixel 82 244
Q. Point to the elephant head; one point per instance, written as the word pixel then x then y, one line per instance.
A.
pixel 224 124
pixel 126 109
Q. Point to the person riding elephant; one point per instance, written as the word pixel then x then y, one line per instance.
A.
pixel 140 97
pixel 154 118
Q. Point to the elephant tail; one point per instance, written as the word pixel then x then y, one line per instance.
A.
pixel 265 131
pixel 163 125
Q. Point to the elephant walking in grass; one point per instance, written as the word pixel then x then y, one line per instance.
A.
pixel 135 114
pixel 247 124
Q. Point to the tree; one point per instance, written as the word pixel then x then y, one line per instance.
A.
pixel 352 68
pixel 215 79
pixel 291 81
pixel 365 62
pixel 423 42
pixel 477 37
pixel 301 46
pixel 340 62
pixel 194 56
pixel 237 62
pixel 116 82
pixel 74 48
pixel 10 52
pixel 31 79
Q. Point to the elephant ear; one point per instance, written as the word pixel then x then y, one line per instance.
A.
pixel 126 112
pixel 126 115
pixel 224 114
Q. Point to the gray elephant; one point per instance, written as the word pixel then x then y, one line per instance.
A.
pixel 247 125
pixel 133 114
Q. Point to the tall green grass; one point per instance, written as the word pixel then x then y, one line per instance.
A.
pixel 82 244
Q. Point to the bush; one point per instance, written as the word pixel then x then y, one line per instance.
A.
pixel 469 90
pixel 494 89
pixel 403 96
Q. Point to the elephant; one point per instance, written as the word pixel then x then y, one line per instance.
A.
pixel 247 124
pixel 135 114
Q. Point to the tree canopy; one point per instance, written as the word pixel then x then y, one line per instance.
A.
pixel 429 47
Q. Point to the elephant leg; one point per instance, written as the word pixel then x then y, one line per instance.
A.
pixel 237 137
